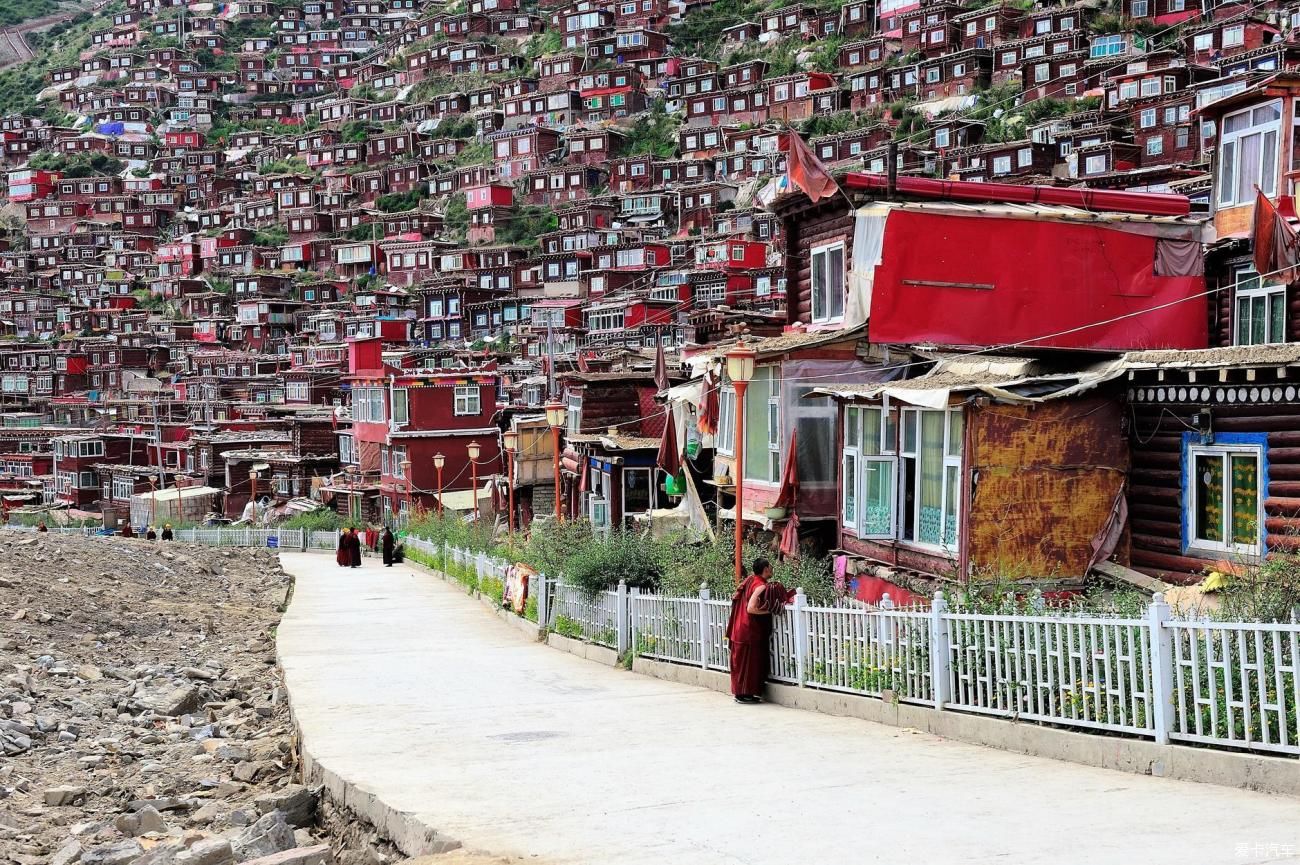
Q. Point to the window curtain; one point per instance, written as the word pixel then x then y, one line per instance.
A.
pixel 930 459
pixel 1245 499
pixel 1248 166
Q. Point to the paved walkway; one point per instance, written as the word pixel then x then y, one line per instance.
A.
pixel 424 699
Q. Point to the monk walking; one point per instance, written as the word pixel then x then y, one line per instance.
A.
pixel 343 556
pixel 388 543
pixel 354 548
pixel 749 630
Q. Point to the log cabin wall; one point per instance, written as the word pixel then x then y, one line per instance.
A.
pixel 1046 478
pixel 806 228
pixel 1264 402
pixel 1222 304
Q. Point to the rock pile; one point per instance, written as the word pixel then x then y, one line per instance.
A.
pixel 142 720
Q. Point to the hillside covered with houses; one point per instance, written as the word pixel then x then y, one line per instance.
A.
pixel 1016 277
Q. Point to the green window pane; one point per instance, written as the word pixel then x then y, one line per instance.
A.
pixel 1208 471
pixel 930 459
pixel 956 422
pixel 1258 319
pixel 852 427
pixel 950 506
pixel 879 496
pixel 850 490
pixel 871 431
pixel 1245 499
pixel 1243 321
pixel 1277 316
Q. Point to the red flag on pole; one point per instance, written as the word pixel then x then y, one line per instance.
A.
pixel 661 367
pixel 807 171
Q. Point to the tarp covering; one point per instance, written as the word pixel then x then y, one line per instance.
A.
pixel 1037 276
pixel 1009 379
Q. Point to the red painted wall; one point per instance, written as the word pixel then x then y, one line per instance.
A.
pixel 1024 279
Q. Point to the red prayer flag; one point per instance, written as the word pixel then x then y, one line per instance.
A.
pixel 1275 241
pixel 807 171
pixel 669 457
pixel 661 367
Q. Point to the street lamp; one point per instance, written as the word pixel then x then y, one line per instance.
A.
pixel 555 416
pixel 473 450
pixel 511 439
pixel 740 369
pixel 252 492
pixel 153 500
pixel 406 475
pixel 438 462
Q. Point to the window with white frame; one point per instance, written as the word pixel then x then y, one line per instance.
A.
pixel 828 283
pixel 1260 309
pixel 1248 148
pixel 1203 42
pixel 401 406
pixel 347 450
pixel 1223 493
pixel 467 401
pixel 1234 35
pixel 123 488
pixel 906 488
pixel 1155 145
pixel 930 472
pixel 297 391
pixel 725 440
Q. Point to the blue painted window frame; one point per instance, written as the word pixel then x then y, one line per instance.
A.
pixel 1192 439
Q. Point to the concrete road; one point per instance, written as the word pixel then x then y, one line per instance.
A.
pixel 424 700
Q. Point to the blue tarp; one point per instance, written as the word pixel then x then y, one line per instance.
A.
pixel 115 128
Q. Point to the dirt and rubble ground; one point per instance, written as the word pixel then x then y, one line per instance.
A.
pixel 142 717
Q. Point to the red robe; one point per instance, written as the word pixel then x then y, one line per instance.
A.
pixel 343 557
pixel 749 636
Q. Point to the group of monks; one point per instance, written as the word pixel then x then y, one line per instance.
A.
pixel 349 550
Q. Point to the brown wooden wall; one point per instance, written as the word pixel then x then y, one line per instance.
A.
pixel 814 226
pixel 1155 494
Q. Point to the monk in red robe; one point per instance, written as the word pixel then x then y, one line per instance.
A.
pixel 749 631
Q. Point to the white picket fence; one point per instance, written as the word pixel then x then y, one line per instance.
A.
pixel 285 539
pixel 1233 685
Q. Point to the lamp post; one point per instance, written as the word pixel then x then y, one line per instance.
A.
pixel 473 450
pixel 406 476
pixel 511 439
pixel 555 416
pixel 740 369
pixel 438 462
pixel 252 492
pixel 153 500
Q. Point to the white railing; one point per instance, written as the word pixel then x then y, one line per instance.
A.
pixel 1084 672
pixel 593 617
pixel 285 539
pixel 1222 684
pixel 321 540
pixel 1236 684
pixel 874 652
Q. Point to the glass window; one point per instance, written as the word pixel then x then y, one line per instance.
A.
pixel 828 283
pixel 1248 154
pixel 1223 496
pixel 1260 309
pixel 467 401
